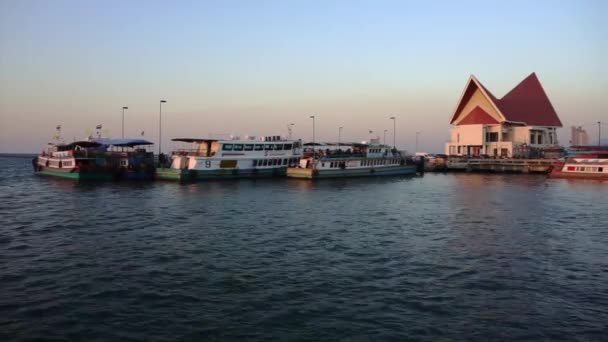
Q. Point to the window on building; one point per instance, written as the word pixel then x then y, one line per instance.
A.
pixel 532 138
pixel 491 136
pixel 540 139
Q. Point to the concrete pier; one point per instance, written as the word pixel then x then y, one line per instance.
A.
pixel 501 165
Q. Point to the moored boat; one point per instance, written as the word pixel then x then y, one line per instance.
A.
pixel 583 164
pixel 231 158
pixel 128 158
pixel 358 160
pixel 83 160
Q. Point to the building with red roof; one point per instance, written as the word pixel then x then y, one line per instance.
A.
pixel 483 124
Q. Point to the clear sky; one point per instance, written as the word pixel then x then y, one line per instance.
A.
pixel 252 67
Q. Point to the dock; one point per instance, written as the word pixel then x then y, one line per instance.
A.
pixel 499 165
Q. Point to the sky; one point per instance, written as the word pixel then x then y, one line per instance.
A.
pixel 253 67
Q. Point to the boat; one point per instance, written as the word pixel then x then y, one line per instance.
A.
pixel 355 160
pixel 251 157
pixel 583 163
pixel 82 160
pixel 96 159
pixel 128 158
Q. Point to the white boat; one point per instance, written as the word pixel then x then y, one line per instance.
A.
pixel 232 158
pixel 355 160
pixel 591 164
pixel 96 159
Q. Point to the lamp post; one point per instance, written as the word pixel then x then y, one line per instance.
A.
pixel 394 131
pixel 339 136
pixel 599 133
pixel 123 121
pixel 416 142
pixel 160 126
pixel 386 130
pixel 313 134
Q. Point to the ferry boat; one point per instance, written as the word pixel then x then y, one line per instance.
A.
pixel 357 160
pixel 128 158
pixel 96 159
pixel 83 160
pixel 232 158
pixel 589 163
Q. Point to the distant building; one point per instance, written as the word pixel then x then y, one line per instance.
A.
pixel 483 124
pixel 578 136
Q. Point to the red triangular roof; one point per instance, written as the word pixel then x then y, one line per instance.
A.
pixel 478 116
pixel 527 103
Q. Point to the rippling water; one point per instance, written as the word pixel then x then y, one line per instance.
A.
pixel 442 257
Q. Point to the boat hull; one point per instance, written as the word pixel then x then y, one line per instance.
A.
pixel 578 175
pixel 186 175
pixel 74 173
pixel 307 173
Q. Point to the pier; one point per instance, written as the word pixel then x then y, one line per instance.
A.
pixel 500 165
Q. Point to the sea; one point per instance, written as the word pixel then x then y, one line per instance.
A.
pixel 438 257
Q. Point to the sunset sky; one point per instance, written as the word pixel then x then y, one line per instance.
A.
pixel 252 67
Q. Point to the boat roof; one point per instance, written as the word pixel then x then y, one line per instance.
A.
pixel 123 142
pixel 82 143
pixel 194 140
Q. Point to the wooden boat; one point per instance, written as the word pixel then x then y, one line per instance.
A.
pixel 231 158
pixel 358 160
pixel 128 158
pixel 96 159
pixel 83 160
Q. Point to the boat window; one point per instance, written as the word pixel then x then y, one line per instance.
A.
pixel 322 164
pixel 264 162
pixel 276 162
pixel 259 147
pixel 600 169
pixel 227 147
pixel 249 147
pixel 278 147
pixel 238 147
pixel 284 161
pixel 268 147
pixel 331 164
pixel 255 163
pixel 287 147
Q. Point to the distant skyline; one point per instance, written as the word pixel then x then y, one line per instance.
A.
pixel 253 67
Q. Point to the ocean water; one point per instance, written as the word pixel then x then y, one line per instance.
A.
pixel 442 257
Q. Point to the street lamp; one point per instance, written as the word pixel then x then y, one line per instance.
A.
pixel 394 131
pixel 313 134
pixel 385 136
pixel 160 126
pixel 123 121
pixel 339 136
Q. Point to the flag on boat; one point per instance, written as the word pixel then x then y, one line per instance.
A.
pixel 370 131
pixel 142 133
pixel 58 127
pixel 98 127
